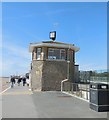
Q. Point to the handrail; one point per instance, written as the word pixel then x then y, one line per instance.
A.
pixel 62 84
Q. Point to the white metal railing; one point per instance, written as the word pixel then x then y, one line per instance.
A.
pixel 62 84
pixel 80 90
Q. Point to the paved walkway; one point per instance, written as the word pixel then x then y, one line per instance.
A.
pixel 19 102
pixel 4 83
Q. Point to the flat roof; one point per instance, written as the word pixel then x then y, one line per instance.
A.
pixel 53 44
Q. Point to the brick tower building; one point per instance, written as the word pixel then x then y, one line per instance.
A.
pixel 51 63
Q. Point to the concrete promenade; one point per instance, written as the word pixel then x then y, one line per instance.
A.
pixel 4 83
pixel 20 102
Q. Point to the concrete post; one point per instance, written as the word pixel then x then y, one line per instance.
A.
pixel 34 54
pixel 68 62
pixel 44 53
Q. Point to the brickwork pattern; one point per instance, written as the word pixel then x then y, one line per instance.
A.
pixel 36 75
pixel 47 75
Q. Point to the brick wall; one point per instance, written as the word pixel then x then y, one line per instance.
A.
pixel 47 75
pixel 53 73
pixel 36 75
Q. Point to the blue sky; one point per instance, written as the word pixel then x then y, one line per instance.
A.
pixel 83 24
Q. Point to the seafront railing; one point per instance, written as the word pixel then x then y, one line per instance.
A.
pixel 80 90
pixel 94 76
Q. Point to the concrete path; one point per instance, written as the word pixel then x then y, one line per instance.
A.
pixel 19 102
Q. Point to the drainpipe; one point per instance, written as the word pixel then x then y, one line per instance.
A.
pixel 62 84
pixel 68 62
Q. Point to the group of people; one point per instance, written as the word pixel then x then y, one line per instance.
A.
pixel 19 80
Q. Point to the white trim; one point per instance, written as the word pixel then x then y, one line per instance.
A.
pixel 62 84
pixel 75 96
pixel 55 60
pixel 99 89
pixel 31 47
pixel 98 105
pixel 5 90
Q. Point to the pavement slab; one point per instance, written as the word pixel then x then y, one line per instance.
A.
pixel 20 102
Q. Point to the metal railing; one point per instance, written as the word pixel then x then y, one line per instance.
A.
pixel 94 76
pixel 80 90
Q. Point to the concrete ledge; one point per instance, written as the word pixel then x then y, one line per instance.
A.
pixel 75 96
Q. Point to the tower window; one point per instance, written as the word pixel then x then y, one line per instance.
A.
pixel 54 53
pixel 38 53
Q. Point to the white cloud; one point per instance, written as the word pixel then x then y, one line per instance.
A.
pixel 92 66
pixel 16 50
pixel 16 59
pixel 14 66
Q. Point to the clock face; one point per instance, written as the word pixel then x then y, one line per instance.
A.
pixel 53 35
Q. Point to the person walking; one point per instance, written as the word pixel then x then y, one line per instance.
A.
pixel 24 81
pixel 19 80
pixel 12 81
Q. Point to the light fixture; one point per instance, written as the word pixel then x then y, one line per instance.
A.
pixel 53 35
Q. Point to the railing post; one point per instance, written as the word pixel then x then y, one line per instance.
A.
pixel 62 84
pixel 81 90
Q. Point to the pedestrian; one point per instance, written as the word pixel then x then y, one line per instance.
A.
pixel 24 81
pixel 19 80
pixel 28 82
pixel 12 81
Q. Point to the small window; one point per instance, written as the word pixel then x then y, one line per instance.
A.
pixel 38 53
pixel 62 54
pixel 54 53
